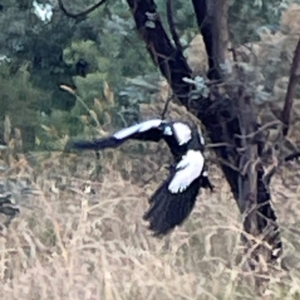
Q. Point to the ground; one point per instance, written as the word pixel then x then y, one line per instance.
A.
pixel 68 243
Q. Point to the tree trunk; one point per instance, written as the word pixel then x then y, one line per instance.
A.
pixel 228 120
pixel 212 22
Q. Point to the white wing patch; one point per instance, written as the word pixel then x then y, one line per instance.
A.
pixel 183 132
pixel 189 168
pixel 141 127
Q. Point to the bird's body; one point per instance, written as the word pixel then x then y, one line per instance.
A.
pixel 174 200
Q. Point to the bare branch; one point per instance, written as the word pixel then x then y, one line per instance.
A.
pixel 166 107
pixel 223 162
pixel 260 130
pixel 216 145
pixel 271 170
pixel 291 90
pixel 212 22
pixel 81 14
pixel 172 28
pixel 292 156
pixel 174 34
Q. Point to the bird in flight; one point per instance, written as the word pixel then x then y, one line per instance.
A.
pixel 175 198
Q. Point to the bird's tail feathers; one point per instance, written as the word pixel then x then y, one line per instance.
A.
pixel 169 210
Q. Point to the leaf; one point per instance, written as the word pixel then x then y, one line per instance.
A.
pixel 109 95
pixel 7 129
pixel 68 89
pixel 143 83
pixel 107 118
pixel 258 3
pixel 50 130
pixel 84 119
pixel 95 117
pixel 18 133
pixel 97 105
pixel 46 128
pixel 37 141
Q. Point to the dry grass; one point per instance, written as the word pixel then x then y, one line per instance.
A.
pixel 68 244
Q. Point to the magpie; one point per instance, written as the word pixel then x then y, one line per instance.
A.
pixel 175 198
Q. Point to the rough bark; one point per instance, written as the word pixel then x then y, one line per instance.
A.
pixel 212 21
pixel 227 120
pixel 291 90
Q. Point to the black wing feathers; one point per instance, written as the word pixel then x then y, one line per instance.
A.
pixel 109 142
pixel 151 135
pixel 154 135
pixel 168 210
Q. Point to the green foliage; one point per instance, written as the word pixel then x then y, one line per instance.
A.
pixel 90 87
pixel 93 114
pixel 19 99
pixel 83 49
pixel 48 54
pixel 246 18
pixel 184 18
pixel 44 56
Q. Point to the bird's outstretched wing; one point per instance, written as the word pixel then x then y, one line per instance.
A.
pixel 150 130
pixel 175 199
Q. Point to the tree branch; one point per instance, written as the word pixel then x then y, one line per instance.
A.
pixel 172 26
pixel 291 90
pixel 212 22
pixel 166 107
pixel 292 156
pixel 81 14
pixel 170 60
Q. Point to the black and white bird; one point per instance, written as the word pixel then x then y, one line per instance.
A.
pixel 175 198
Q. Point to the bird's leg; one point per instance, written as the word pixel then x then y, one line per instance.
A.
pixel 171 168
pixel 206 183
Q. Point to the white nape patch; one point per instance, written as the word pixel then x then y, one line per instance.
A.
pixel 168 130
pixel 182 132
pixel 189 168
pixel 141 127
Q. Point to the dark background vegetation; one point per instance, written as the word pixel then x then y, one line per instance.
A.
pixel 42 56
